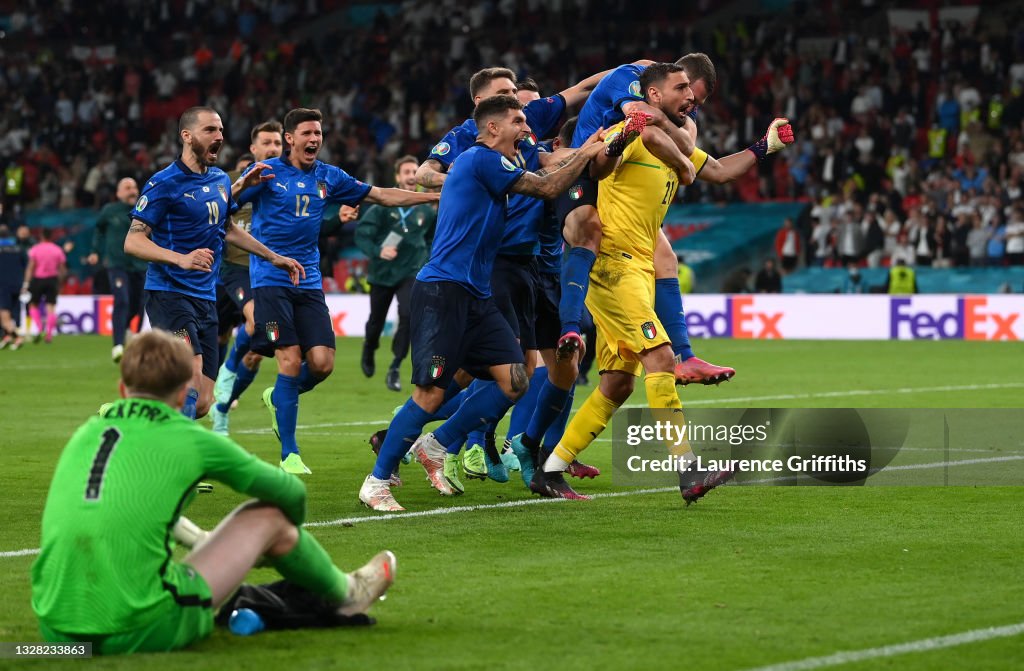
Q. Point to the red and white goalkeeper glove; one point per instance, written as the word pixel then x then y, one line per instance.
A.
pixel 780 133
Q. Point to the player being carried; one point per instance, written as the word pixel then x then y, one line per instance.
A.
pixel 455 322
pixel 292 322
pixel 105 572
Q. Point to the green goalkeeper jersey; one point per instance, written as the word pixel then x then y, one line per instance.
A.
pixel 121 483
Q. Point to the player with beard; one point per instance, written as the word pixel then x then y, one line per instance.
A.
pixel 179 225
pixel 241 365
pixel 292 321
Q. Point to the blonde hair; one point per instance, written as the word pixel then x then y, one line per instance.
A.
pixel 157 364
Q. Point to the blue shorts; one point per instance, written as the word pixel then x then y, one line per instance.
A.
pixel 453 329
pixel 10 300
pixel 235 279
pixel 514 283
pixel 286 316
pixel 229 315
pixel 582 192
pixel 194 320
pixel 548 326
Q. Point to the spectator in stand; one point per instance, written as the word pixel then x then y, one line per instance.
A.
pixel 737 282
pixel 768 280
pixel 853 283
pixel 922 237
pixel 787 246
pixel 996 249
pixel 850 239
pixel 1015 237
pixel 977 242
pixel 874 237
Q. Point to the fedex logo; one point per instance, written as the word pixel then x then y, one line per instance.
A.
pixel 738 319
pixel 93 317
pixel 971 320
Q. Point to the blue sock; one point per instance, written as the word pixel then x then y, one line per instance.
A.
pixel 523 411
pixel 286 400
pixel 307 380
pixel 189 407
pixel 242 382
pixel 557 428
pixel 239 348
pixel 404 430
pixel 550 403
pixel 575 282
pixel 668 305
pixel 487 404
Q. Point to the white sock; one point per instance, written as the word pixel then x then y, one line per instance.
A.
pixel 189 534
pixel 555 463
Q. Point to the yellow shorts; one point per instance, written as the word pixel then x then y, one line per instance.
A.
pixel 621 299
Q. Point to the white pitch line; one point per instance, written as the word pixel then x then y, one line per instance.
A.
pixel 531 502
pixel 922 645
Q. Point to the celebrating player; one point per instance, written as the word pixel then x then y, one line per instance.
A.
pixel 456 324
pixel 179 225
pixel 292 321
pixel 13 260
pixel 105 572
pixel 127 274
pixel 241 365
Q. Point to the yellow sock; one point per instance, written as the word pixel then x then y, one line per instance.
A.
pixel 589 421
pixel 661 394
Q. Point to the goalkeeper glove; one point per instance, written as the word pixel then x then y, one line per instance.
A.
pixel 780 133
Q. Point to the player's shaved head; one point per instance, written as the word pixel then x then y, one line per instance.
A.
pixel 156 365
pixel 300 115
pixel 127 190
pixel 495 107
pixel 482 79
pixel 190 118
pixel 699 66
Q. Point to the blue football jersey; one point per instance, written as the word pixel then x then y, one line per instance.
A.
pixel 286 215
pixel 187 211
pixel 471 220
pixel 603 108
pixel 524 212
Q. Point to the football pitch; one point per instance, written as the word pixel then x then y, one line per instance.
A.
pixel 780 578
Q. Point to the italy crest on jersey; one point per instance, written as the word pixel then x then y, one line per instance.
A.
pixel 575 192
pixel 223 192
pixel 183 335
pixel 436 367
pixel 649 330
pixel 273 332
pixel 321 189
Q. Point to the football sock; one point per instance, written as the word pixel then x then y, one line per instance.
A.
pixel 33 313
pixel 668 305
pixel 487 403
pixel 308 565
pixel 550 403
pixel 590 420
pixel 189 407
pixel 557 428
pixel 239 348
pixel 307 380
pixel 51 322
pixel 242 382
pixel 523 410
pixel 405 428
pixel 661 394
pixel 286 401
pixel 575 282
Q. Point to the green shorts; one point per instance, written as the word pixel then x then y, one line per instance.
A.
pixel 187 620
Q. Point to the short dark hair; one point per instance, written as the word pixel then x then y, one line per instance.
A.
pixel 656 73
pixel 300 115
pixel 408 158
pixel 699 66
pixel 481 79
pixel 245 157
pixel 527 84
pixel 271 126
pixel 494 106
pixel 190 116
pixel 566 132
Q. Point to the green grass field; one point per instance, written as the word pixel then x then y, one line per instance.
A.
pixel 750 576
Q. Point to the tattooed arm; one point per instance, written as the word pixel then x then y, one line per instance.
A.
pixel 138 244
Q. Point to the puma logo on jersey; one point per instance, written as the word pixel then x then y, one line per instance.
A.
pixel 190 195
pixel 283 186
pixel 578 286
